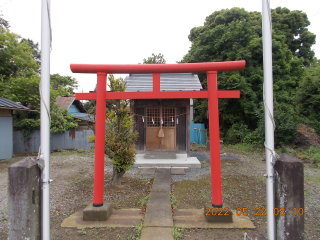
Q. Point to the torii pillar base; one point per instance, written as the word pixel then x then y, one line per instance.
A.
pixel 213 214
pixel 91 213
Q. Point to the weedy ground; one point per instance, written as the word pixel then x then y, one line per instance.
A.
pixel 243 186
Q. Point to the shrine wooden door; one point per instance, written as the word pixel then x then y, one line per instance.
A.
pixel 156 117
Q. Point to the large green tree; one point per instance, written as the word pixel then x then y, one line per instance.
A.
pixel 4 24
pixel 308 97
pixel 19 81
pixel 16 59
pixel 293 25
pixel 235 34
pixel 26 91
pixel 66 82
pixel 36 54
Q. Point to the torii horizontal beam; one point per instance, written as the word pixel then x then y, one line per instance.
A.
pixel 162 95
pixel 159 68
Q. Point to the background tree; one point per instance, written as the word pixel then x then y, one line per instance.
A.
pixel 120 137
pixel 66 82
pixel 308 97
pixel 20 61
pixel 36 54
pixel 155 59
pixel 4 24
pixel 293 25
pixel 26 91
pixel 235 34
pixel 16 59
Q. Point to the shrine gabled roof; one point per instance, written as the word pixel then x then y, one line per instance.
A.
pixel 8 104
pixel 168 82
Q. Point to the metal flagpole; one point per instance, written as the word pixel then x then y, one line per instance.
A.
pixel 45 119
pixel 268 107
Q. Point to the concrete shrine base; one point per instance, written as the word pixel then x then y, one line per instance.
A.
pixel 187 218
pixel 91 213
pixel 213 214
pixel 119 218
pixel 180 160
pixel 194 218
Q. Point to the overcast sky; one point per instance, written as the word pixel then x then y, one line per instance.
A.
pixel 120 32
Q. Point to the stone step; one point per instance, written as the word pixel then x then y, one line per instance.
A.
pixel 161 156
pixel 190 162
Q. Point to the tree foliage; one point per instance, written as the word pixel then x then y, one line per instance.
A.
pixel 16 59
pixel 4 24
pixel 308 97
pixel 66 82
pixel 61 120
pixel 120 137
pixel 293 25
pixel 23 90
pixel 36 54
pixel 155 59
pixel 19 81
pixel 235 34
pixel 26 91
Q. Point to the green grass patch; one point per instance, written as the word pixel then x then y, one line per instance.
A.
pixel 174 201
pixel 143 201
pixel 205 164
pixel 310 154
pixel 244 148
pixel 177 233
pixel 138 230
pixel 315 179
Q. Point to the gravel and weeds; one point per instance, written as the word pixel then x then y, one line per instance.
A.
pixel 72 190
pixel 243 186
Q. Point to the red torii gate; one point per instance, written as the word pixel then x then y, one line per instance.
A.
pixel 211 68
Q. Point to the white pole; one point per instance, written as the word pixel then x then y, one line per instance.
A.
pixel 45 120
pixel 268 104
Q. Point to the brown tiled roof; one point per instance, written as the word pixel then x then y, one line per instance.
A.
pixel 65 102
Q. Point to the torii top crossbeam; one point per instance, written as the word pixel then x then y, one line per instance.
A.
pixel 213 94
pixel 156 69
pixel 159 68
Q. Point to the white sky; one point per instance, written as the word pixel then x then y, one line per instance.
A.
pixel 120 32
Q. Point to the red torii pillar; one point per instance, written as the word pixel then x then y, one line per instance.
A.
pixel 211 68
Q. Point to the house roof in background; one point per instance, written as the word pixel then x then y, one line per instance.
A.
pixel 8 104
pixel 65 102
pixel 78 111
pixel 84 116
pixel 168 82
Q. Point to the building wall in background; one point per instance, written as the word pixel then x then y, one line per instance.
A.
pixel 6 137
pixel 197 136
pixel 5 112
pixel 70 139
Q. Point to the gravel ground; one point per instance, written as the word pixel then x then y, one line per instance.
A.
pixel 71 190
pixel 243 185
pixel 191 174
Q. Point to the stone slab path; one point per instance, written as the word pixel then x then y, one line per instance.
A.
pixel 158 222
